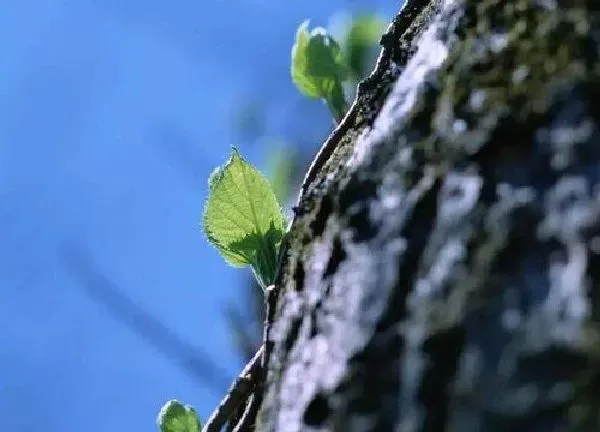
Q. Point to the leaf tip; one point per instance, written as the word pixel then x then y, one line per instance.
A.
pixel 236 156
pixel 304 25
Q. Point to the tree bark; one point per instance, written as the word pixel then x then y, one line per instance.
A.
pixel 441 272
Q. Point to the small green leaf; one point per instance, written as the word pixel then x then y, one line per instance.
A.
pixel 325 58
pixel 304 82
pixel 243 219
pixel 175 417
pixel 360 43
pixel 319 68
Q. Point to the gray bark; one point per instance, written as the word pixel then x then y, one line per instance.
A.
pixel 441 273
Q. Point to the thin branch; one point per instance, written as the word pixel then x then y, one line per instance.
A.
pixel 249 415
pixel 235 417
pixel 238 393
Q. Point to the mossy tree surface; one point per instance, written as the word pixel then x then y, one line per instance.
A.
pixel 441 273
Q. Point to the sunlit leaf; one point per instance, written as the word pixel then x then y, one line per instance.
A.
pixel 300 66
pixel 175 417
pixel 324 57
pixel 243 219
pixel 319 68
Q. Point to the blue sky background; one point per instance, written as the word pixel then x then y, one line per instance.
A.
pixel 112 115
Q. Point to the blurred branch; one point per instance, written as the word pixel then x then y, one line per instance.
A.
pixel 237 394
pixel 147 326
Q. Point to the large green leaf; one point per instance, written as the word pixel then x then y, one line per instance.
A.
pixel 243 219
pixel 175 417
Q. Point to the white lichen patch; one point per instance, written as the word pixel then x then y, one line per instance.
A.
pixel 429 57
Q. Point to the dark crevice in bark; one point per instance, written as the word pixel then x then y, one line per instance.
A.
pixel 299 276
pixel 320 220
pixel 318 410
pixel 292 335
pixel 351 202
pixel 366 370
pixel 337 256
pixel 435 392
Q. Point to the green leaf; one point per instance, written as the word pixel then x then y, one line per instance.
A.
pixel 324 56
pixel 319 68
pixel 175 417
pixel 300 66
pixel 243 219
pixel 361 43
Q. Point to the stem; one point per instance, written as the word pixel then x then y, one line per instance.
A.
pixel 238 393
pixel 336 102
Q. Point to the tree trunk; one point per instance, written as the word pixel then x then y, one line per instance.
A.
pixel 441 272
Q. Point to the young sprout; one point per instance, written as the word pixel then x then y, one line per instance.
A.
pixel 176 417
pixel 319 68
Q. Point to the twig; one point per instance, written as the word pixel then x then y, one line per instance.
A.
pixel 270 304
pixel 236 415
pixel 246 383
pixel 249 415
pixel 238 393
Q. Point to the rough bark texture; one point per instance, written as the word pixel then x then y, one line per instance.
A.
pixel 442 270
